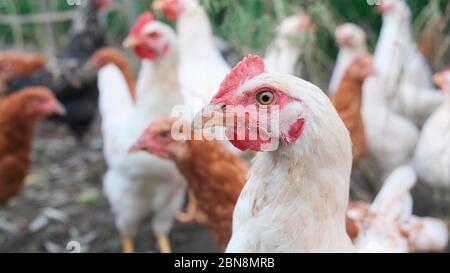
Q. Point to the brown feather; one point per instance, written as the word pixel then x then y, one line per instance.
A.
pixel 17 118
pixel 347 101
pixel 17 64
pixel 216 178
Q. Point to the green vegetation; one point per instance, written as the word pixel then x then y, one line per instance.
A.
pixel 248 25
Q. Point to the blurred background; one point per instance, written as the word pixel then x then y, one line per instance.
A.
pixel 64 201
pixel 247 26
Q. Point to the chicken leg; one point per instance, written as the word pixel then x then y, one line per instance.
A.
pixel 163 243
pixel 127 244
pixel 191 212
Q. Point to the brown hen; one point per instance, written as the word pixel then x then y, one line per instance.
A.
pixel 348 100
pixel 18 115
pixel 214 175
pixel 17 64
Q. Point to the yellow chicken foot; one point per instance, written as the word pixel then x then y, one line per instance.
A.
pixel 191 212
pixel 127 244
pixel 163 243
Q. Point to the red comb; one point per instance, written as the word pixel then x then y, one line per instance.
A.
pixel 247 69
pixel 144 19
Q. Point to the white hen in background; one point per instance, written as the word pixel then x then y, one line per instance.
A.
pixel 285 50
pixel 401 64
pixel 202 67
pixel 139 183
pixel 432 157
pixel 391 138
pixel 388 224
pixel 352 44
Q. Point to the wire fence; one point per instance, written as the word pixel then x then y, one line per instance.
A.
pixel 44 27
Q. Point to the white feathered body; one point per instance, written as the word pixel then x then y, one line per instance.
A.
pixel 296 197
pixel 137 184
pixel 408 76
pixel 391 137
pixel 202 67
pixel 389 226
pixel 432 156
pixel 285 50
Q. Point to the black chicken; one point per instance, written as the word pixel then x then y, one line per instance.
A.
pixel 72 81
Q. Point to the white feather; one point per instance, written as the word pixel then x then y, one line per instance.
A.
pixel 139 183
pixel 296 197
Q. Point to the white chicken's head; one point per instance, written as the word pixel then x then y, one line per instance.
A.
pixel 149 38
pixel 349 35
pixel 296 24
pixel 161 140
pixel 173 8
pixel 442 79
pixel 261 110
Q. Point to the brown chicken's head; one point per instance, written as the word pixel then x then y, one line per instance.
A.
pixel 36 61
pixel 171 8
pixel 350 35
pixel 362 67
pixel 442 79
pixel 149 38
pixel 35 103
pixel 165 138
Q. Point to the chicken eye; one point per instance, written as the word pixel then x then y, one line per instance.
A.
pixel 164 134
pixel 265 97
pixel 154 35
pixel 39 100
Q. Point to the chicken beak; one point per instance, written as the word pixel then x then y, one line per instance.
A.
pixel 437 79
pixel 158 5
pixel 58 108
pixel 131 41
pixel 213 116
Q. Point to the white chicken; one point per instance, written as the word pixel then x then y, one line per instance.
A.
pixel 391 138
pixel 404 68
pixel 202 67
pixel 352 44
pixel 297 194
pixel 138 184
pixel 285 50
pixel 432 156
pixel 388 225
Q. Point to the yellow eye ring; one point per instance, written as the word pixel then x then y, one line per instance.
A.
pixel 265 97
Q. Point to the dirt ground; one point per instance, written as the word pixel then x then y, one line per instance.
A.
pixel 64 202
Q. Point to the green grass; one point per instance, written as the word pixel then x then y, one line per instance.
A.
pixel 248 25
